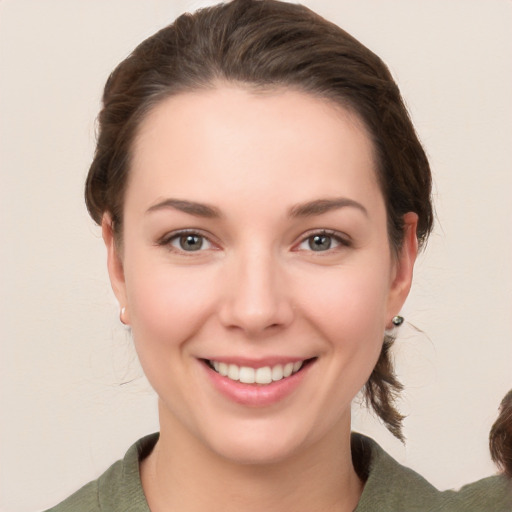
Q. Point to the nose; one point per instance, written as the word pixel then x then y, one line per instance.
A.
pixel 256 299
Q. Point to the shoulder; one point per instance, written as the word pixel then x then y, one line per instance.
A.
pixel 389 485
pixel 492 494
pixel 392 487
pixel 118 489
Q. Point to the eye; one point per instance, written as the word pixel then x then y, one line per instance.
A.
pixel 186 241
pixel 320 242
pixel 323 241
pixel 189 242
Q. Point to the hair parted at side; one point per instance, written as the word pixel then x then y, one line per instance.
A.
pixel 268 44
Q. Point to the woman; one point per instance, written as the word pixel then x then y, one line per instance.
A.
pixel 262 196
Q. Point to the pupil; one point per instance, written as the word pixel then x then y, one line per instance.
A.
pixel 191 242
pixel 320 243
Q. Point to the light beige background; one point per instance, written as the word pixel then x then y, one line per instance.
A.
pixel 72 399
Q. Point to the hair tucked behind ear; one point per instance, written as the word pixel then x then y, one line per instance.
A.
pixel 500 437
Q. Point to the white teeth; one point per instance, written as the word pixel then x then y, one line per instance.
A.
pixel 277 372
pixel 223 369
pixel 246 375
pixel 263 375
pixel 234 372
pixel 288 369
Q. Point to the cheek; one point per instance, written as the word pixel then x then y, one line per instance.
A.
pixel 355 296
pixel 349 308
pixel 167 305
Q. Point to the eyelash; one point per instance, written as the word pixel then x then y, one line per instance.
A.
pixel 166 241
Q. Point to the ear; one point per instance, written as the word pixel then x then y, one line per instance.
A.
pixel 404 266
pixel 114 260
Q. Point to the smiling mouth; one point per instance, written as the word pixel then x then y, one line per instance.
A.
pixel 263 375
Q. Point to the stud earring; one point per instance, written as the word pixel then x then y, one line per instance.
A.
pixel 397 320
pixel 122 316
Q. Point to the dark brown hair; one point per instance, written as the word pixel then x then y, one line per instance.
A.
pixel 500 437
pixel 268 44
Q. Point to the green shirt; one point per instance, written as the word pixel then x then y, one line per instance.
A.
pixel 389 486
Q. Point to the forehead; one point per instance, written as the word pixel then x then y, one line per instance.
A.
pixel 239 140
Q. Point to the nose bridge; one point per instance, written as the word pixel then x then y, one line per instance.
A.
pixel 257 297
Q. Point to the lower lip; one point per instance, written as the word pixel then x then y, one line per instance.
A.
pixel 256 395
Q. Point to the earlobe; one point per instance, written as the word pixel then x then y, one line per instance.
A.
pixel 114 260
pixel 402 278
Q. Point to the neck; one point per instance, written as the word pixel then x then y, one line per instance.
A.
pixel 183 474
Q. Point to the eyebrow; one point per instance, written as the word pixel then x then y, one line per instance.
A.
pixel 309 209
pixel 320 206
pixel 190 207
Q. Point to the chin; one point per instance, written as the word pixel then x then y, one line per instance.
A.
pixel 256 454
pixel 257 444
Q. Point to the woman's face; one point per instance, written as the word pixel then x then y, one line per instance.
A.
pixel 255 243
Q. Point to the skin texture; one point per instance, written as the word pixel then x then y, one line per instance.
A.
pixel 255 290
